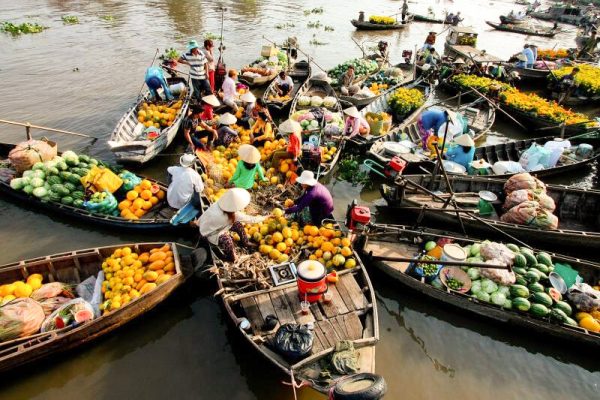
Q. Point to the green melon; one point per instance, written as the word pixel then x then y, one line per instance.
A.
pixel 539 310
pixel 544 258
pixel 565 307
pixel 542 298
pixel 520 261
pixel 521 304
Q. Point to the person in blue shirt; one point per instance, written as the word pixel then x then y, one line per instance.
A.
pixel 462 151
pixel 155 78
pixel 528 53
pixel 431 120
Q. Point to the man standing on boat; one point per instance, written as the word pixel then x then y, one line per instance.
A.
pixel 198 69
pixel 404 11
pixel 155 79
pixel 186 184
pixel 528 53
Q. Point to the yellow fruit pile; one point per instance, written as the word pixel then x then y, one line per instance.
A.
pixel 159 116
pixel 380 19
pixel 275 97
pixel 129 275
pixel 405 101
pixel 589 321
pixel 587 79
pixel 327 153
pixel 377 88
pixel 480 83
pixel 19 289
pixel 140 200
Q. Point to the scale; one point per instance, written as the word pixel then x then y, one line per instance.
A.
pixel 283 273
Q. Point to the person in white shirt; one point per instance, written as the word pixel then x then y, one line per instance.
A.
pixel 229 91
pixel 284 84
pixel 226 215
pixel 186 184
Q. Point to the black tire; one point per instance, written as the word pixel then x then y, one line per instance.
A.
pixel 374 391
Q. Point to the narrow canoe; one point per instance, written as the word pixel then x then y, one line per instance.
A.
pixel 529 74
pixel 546 126
pixel 368 26
pixel 72 268
pixel 574 100
pixel 521 30
pixel 125 142
pixel 577 210
pixel 352 315
pixel 383 241
pixel 480 114
pixel 423 18
pixel 300 72
pixel 255 81
pixel 157 219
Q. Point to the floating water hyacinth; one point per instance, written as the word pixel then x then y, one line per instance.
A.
pixel 25 27
pixel 70 19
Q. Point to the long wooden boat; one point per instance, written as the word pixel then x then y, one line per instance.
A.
pixel 545 125
pixel 381 104
pixel 125 141
pixel 351 315
pixel 74 267
pixel 299 72
pixel 396 241
pixel 461 42
pixel 158 218
pixel 522 30
pixel 320 88
pixel 369 26
pixel 575 100
pixel 562 13
pixel 424 18
pixel 577 210
pixel 513 20
pixel 529 74
pixel 480 114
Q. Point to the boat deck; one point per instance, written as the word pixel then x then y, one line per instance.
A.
pixel 478 55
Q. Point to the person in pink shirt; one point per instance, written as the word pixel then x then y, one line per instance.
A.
pixel 355 123
pixel 229 91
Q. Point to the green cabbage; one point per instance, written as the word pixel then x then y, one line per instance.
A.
pixel 27 173
pixel 498 298
pixel 488 286
pixel 17 183
pixel 475 247
pixel 473 273
pixel 70 158
pixel 28 189
pixel 483 296
pixel 37 182
pixel 39 192
pixel 507 304
pixel 476 287
pixel 38 166
pixel 505 290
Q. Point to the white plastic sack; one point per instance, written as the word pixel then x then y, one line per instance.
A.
pixel 507 167
pixel 535 158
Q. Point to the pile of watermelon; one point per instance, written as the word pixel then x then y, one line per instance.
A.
pixel 531 293
pixel 57 180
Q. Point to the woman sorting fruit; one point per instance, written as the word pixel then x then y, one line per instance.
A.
pixel 155 79
pixel 225 134
pixel 294 147
pixel 355 123
pixel 245 113
pixel 316 198
pixel 248 168
pixel 429 123
pixel 186 184
pixel 262 130
pixel 194 136
pixel 226 216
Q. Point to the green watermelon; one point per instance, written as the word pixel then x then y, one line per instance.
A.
pixel 67 200
pixel 542 268
pixel 520 280
pixel 78 203
pixel 62 166
pixel 54 180
pixel 544 258
pixel 65 175
pixel 53 171
pixel 539 310
pixel 565 307
pixel 53 196
pixel 93 162
pixel 519 291
pixel 84 158
pixel 74 179
pixel 521 304
pixel 535 287
pixel 570 321
pixel 513 247
pixel 70 187
pixel 77 194
pixel 555 294
pixel 542 298
pixel 60 190
pixel 531 260
pixel 532 276
pixel 519 270
pixel 537 271
pixel 558 314
pixel 520 261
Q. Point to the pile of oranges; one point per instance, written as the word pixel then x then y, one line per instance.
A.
pixel 159 116
pixel 140 200
pixel 19 289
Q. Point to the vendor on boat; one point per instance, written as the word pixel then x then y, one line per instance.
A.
pixel 404 10
pixel 461 151
pixel 210 58
pixel 355 123
pixel 155 79
pixel 226 135
pixel 186 184
pixel 245 111
pixel 208 104
pixel 456 19
pixel 294 147
pixel 248 168
pixel 284 84
pixel 479 167
pixel 228 90
pixel 195 137
pixel 429 40
pixel 528 53
pixel 430 121
pixel 262 130
pixel 567 84
pixel 198 69
pixel 346 82
pixel 225 216
pixel 316 198
pixel 431 57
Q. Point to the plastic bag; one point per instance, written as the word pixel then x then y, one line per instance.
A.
pixel 74 312
pixel 498 252
pixel 531 213
pixel 507 167
pixel 51 304
pixel 345 358
pixel 20 318
pixel 584 297
pixel 85 289
pixel 293 341
pixel 519 196
pixel 498 275
pixel 535 157
pixel 25 154
pixel 130 180
pixel 53 289
pixel 108 205
pixel 101 179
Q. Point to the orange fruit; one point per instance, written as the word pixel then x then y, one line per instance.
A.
pixel 124 204
pixel 147 205
pixel 139 213
pixel 125 212
pixel 146 194
pixel 281 247
pixel 138 203
pixel 313 231
pixel 154 200
pixel 327 246
pixel 132 195
pixel 160 194
pixel 146 184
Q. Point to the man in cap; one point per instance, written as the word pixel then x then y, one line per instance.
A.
pixel 155 79
pixel 194 136
pixel 225 134
pixel 461 151
pixel 198 69
pixel 248 168
pixel 229 91
pixel 316 198
pixel 186 184
pixel 284 84
pixel 355 123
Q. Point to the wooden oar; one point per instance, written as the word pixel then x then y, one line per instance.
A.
pixel 28 126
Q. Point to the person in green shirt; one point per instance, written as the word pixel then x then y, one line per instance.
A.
pixel 247 169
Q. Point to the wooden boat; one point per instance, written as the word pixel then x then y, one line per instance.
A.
pixel 125 141
pixel 561 13
pixel 383 242
pixel 352 316
pixel 540 124
pixel 424 18
pixel 256 81
pixel 521 29
pixel 369 26
pixel 461 42
pixel 299 72
pixel 157 219
pixel 381 105
pixel 577 210
pixel 513 20
pixel 528 74
pixel 74 267
pixel 320 88
pixel 575 100
pixel 480 114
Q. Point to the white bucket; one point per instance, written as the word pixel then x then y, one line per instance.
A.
pixel 453 252
pixel 177 89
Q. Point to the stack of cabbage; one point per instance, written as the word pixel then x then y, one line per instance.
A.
pixel 362 67
pixel 57 180
pixel 334 123
pixel 317 101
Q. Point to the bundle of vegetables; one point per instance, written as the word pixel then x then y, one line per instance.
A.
pixel 362 67
pixel 170 54
pixel 307 119
pixel 405 101
pixel 102 203
pixel 57 180
pixel 552 54
pixel 382 20
pixel 587 79
pixel 481 84
pixel 264 66
pixel 130 180
pixel 384 78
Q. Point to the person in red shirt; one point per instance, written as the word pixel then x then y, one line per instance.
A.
pixel 294 147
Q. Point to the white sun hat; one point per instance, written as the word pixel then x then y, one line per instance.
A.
pixel 479 164
pixel 234 200
pixel 290 126
pixel 248 97
pixel 249 153
pixel 352 111
pixel 464 140
pixel 307 178
pixel 212 100
pixel 187 160
pixel 227 119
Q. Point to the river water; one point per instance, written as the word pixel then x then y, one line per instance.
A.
pixel 84 77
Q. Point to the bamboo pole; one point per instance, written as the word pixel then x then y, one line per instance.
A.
pixel 28 127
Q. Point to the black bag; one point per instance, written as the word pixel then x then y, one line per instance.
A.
pixel 293 341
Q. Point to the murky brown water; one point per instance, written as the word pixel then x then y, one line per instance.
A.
pixel 184 349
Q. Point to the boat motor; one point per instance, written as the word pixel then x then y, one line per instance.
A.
pixel 357 217
pixel 395 167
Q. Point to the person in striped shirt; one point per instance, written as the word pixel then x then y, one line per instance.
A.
pixel 198 69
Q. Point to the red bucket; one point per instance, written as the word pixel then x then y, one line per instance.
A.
pixel 312 280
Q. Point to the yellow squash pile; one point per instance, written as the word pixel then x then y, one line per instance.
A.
pixel 129 275
pixel 404 101
pixel 327 153
pixel 159 116
pixel 19 289
pixel 552 54
pixel 377 88
pixel 140 200
pixel 589 321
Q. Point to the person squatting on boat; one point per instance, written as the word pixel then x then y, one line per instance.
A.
pixel 195 137
pixel 355 123
pixel 155 79
pixel 185 183
pixel 284 84
pixel 262 129
pixel 294 147
pixel 347 88
pixel 461 151
pixel 315 198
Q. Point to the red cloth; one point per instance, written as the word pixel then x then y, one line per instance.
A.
pixel 294 146
pixel 211 79
pixel 207 114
